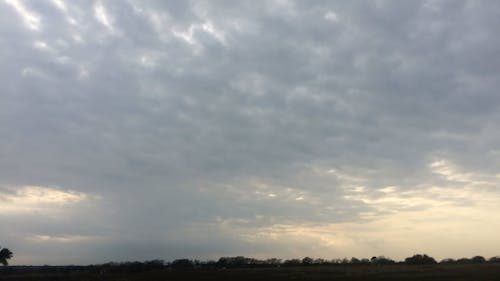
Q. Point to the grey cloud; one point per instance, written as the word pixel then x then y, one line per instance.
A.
pixel 146 119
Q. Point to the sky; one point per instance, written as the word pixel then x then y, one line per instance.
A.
pixel 137 130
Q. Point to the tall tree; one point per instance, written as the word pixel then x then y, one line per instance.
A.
pixel 5 254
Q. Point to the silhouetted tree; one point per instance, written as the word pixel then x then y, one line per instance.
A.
pixel 354 260
pixel 5 254
pixel 154 264
pixel 320 261
pixel 448 261
pixel 494 259
pixel 478 259
pixel 381 260
pixel 463 261
pixel 420 259
pixel 344 261
pixel 273 262
pixel 292 262
pixel 182 264
pixel 364 261
pixel 239 261
pixel 307 261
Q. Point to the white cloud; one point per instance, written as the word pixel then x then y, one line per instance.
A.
pixel 40 238
pixel 60 5
pixel 31 19
pixel 218 34
pixel 187 35
pixel 331 16
pixel 191 34
pixel 450 172
pixel 102 15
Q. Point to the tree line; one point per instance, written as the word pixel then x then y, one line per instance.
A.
pixel 246 262
pixel 242 262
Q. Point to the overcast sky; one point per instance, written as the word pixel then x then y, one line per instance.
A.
pixel 134 130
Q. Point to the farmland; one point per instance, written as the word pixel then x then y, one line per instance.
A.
pixel 462 272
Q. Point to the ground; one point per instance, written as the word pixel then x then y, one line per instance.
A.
pixel 483 272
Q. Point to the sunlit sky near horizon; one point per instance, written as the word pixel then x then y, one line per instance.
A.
pixel 136 130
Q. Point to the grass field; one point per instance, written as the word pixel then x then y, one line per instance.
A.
pixel 473 272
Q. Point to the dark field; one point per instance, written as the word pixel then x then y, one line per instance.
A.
pixel 476 272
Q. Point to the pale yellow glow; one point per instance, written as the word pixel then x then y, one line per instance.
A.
pixel 448 171
pixel 441 231
pixel 344 176
pixel 459 217
pixel 38 199
pixel 389 189
pixel 451 172
pixel 266 191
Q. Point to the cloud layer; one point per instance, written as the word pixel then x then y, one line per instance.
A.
pixel 133 130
